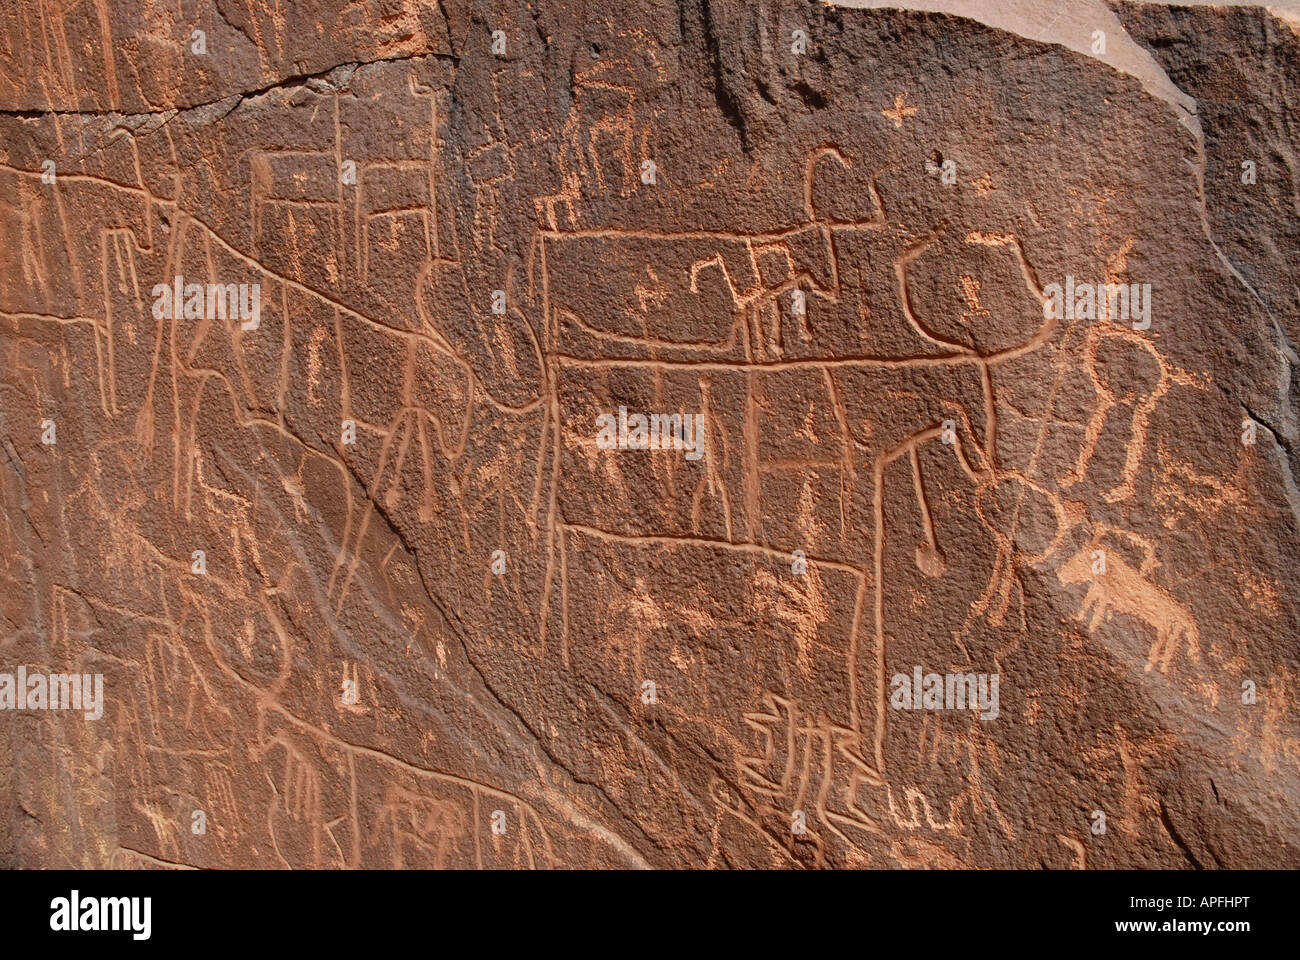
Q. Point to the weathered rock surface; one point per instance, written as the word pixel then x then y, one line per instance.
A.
pixel 436 622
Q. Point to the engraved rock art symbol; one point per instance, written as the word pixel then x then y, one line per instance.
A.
pixel 1127 591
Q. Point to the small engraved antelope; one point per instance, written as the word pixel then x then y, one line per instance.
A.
pixel 1122 589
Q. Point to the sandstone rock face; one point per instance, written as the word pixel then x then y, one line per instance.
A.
pixel 333 339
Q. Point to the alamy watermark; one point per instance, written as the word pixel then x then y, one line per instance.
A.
pixel 945 691
pixel 1099 301
pixel 656 431
pixel 55 691
pixel 208 301
pixel 76 913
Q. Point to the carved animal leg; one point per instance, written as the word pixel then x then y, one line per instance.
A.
pixel 1099 605
pixel 1154 657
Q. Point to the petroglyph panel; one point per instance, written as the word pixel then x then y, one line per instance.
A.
pixel 656 442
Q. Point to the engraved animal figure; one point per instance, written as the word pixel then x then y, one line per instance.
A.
pixel 1122 589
